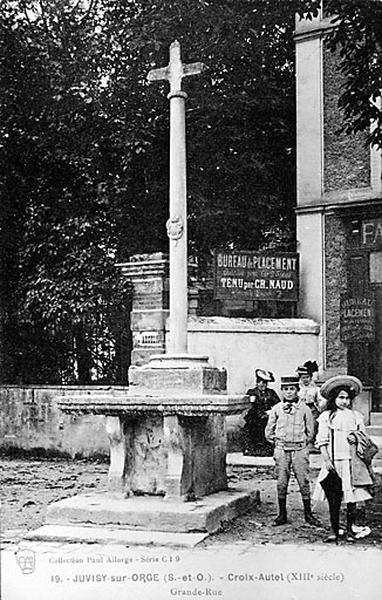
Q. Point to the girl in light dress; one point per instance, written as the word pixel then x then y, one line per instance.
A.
pixel 310 394
pixel 334 425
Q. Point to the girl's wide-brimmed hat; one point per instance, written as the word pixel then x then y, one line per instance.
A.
pixel 341 381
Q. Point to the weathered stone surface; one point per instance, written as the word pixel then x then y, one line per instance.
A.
pixel 346 158
pixel 135 404
pixel 178 451
pixel 146 462
pixel 141 356
pixel 196 453
pixel 336 272
pixel 149 277
pixel 187 380
pixel 114 535
pixel 153 514
pixel 145 320
pixel 30 421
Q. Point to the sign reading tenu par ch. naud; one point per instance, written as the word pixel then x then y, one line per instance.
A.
pixel 357 318
pixel 256 276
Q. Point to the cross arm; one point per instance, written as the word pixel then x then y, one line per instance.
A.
pixel 158 74
pixel 193 68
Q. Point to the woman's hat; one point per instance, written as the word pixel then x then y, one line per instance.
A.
pixel 341 381
pixel 264 375
pixel 308 368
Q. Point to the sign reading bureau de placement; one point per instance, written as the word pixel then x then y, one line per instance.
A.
pixel 256 276
pixel 357 318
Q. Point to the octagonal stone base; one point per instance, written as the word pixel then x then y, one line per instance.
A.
pixel 112 512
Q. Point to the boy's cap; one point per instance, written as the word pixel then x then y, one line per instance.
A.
pixel 264 375
pixel 289 380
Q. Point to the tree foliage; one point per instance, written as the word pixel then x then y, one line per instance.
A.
pixel 84 153
pixel 358 38
pixel 61 291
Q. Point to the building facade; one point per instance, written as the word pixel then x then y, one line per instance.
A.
pixel 339 220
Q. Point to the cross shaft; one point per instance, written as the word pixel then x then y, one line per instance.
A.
pixel 177 222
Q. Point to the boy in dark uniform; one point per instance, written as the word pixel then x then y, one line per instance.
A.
pixel 262 399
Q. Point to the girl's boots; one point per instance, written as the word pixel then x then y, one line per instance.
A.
pixel 350 520
pixel 309 516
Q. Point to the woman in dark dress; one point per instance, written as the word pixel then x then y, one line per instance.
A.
pixel 262 399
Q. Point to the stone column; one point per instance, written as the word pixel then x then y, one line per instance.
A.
pixel 118 445
pixel 310 223
pixel 177 224
pixel 174 72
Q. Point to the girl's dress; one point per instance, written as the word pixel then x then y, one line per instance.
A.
pixel 312 398
pixel 339 425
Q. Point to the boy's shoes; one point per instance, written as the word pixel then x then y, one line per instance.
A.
pixel 280 520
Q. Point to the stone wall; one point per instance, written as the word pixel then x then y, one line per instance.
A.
pixel 31 422
pixel 346 157
pixel 335 284
pixel 242 345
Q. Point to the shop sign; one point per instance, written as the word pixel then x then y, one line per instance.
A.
pixel 357 318
pixel 371 233
pixel 256 276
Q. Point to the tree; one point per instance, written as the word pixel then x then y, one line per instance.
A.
pixel 358 38
pixel 84 149
pixel 85 153
pixel 60 282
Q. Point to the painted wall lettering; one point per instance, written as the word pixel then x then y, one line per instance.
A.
pixel 357 318
pixel 371 233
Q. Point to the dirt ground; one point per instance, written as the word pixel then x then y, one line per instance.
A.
pixel 28 486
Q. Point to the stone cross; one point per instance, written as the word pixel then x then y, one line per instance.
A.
pixel 177 222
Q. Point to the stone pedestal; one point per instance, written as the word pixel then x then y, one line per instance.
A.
pixel 167 433
pixel 176 456
pixel 184 375
pixel 149 276
pixel 167 456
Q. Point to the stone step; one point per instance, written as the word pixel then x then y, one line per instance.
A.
pixel 153 513
pixel 376 418
pixel 374 431
pixel 237 459
pixel 113 535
